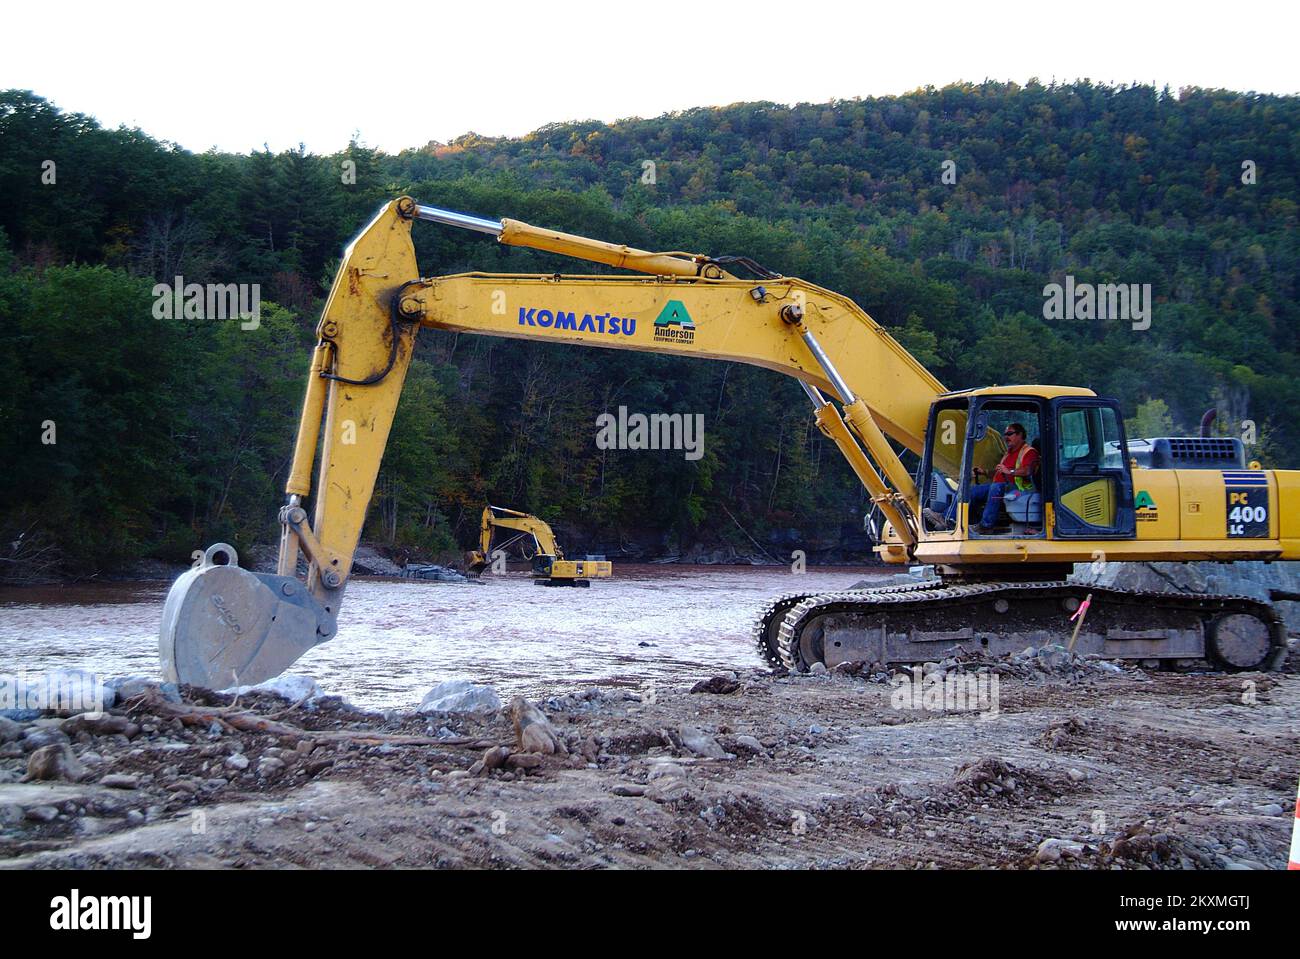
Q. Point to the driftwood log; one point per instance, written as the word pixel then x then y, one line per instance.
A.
pixel 232 718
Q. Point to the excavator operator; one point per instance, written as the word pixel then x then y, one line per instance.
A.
pixel 1016 469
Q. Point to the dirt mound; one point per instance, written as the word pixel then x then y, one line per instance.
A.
pixel 718 685
pixel 991 777
pixel 1063 734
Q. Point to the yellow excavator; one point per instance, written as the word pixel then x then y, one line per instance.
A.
pixel 537 543
pixel 998 587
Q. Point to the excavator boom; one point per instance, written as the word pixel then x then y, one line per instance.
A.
pixel 538 530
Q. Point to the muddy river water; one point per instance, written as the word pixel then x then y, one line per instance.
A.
pixel 398 638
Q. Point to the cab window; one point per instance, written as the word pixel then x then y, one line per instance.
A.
pixel 1090 440
pixel 990 447
pixel 939 489
pixel 1094 491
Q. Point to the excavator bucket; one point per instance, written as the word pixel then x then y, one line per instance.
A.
pixel 475 563
pixel 223 626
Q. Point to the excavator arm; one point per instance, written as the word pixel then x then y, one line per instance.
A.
pixel 223 625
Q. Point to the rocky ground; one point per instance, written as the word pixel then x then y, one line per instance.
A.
pixel 1080 765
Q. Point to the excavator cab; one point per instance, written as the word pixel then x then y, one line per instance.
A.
pixel 1080 488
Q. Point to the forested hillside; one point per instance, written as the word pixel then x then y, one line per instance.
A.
pixel 170 434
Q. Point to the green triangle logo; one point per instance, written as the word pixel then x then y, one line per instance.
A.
pixel 674 314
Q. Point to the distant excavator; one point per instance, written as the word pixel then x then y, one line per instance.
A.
pixel 537 543
pixel 1000 584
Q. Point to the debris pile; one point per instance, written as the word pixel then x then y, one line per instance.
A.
pixel 718 685
pixel 1047 662
pixel 799 771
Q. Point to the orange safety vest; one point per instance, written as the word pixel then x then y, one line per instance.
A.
pixel 1023 482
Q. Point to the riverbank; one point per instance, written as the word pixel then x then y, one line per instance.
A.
pixel 373 559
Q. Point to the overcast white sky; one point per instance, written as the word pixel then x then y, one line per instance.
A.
pixel 237 74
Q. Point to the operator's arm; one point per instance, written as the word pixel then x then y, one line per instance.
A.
pixel 1026 467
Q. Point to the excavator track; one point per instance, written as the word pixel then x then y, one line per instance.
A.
pixel 890 625
pixel 766 629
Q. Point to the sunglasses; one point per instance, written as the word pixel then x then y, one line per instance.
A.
pixel 1010 433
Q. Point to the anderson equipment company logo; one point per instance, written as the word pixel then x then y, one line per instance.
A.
pixel 1145 505
pixel 674 324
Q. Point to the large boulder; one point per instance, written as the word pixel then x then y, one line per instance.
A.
pixel 460 696
pixel 55 762
pixel 701 743
pixel 295 689
pixel 10 731
pixel 533 731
